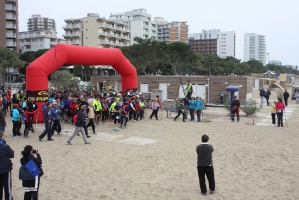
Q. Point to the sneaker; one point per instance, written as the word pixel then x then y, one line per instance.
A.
pixel 39 139
pixel 78 134
pixel 58 134
pixel 87 143
pixel 87 136
pixel 17 136
pixel 94 133
pixel 51 139
pixel 134 121
pixel 204 193
pixel 115 129
pixel 212 192
pixel 14 136
pixel 68 143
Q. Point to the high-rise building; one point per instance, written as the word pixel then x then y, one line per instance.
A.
pixel 255 47
pixel 9 24
pixel 171 31
pixel 205 42
pixel 96 31
pixel 275 62
pixel 35 40
pixel 139 23
pixel 38 23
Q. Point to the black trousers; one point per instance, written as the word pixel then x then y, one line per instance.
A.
pixel 56 126
pixel 191 114
pixel 47 131
pixel 155 112
pixel 286 102
pixel 179 113
pixel 209 172
pixel 15 128
pixel 91 123
pixel 233 115
pixel 189 94
pixel 267 99
pixel 124 120
pixel 279 119
pixel 198 112
pixel 141 113
pixel 33 195
pixel 273 118
pixel 5 183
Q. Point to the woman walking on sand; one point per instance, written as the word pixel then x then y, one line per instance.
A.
pixel 279 111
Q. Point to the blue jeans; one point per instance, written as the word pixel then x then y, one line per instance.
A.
pixel 262 100
pixel 2 128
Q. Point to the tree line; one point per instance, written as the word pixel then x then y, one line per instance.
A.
pixel 151 57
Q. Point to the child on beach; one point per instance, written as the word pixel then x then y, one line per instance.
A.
pixel 273 113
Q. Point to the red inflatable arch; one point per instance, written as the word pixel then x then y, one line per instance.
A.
pixel 38 71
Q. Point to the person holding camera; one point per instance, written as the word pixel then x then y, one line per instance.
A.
pixel 6 153
pixel 31 186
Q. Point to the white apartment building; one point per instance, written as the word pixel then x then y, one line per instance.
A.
pixel 35 40
pixel 255 47
pixel 226 41
pixel 275 62
pixel 139 22
pixel 171 31
pixel 96 31
pixel 39 23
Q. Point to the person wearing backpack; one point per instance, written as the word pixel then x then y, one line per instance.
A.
pixel 31 186
pixel 47 122
pixel 79 121
pixel 6 153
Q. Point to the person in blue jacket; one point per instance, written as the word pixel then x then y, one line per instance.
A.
pixel 192 107
pixel 198 108
pixel 15 114
pixel 6 153
pixel 55 113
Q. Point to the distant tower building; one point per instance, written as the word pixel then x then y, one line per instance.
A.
pixel 9 24
pixel 139 23
pixel 255 47
pixel 214 41
pixel 171 31
pixel 38 23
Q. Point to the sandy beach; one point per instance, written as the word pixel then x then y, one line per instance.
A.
pixel 157 160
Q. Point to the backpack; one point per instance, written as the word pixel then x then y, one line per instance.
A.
pixel 75 119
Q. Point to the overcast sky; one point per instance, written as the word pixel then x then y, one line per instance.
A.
pixel 277 20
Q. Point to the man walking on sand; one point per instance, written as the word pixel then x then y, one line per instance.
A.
pixel 205 165
pixel 79 123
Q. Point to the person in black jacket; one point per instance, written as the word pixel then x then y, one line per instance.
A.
pixel 182 110
pixel 47 122
pixel 235 106
pixel 6 153
pixel 31 186
pixel 79 123
pixel 205 165
pixel 31 108
pixel 285 97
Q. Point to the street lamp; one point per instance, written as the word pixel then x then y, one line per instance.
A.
pixel 82 71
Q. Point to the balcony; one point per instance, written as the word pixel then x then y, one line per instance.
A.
pixel 71 27
pixel 10 1
pixel 10 17
pixel 11 44
pixel 11 26
pixel 73 42
pixel 10 8
pixel 11 35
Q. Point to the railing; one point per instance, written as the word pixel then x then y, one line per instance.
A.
pixel 11 44
pixel 10 17
pixel 10 7
pixel 11 35
pixel 71 26
pixel 11 26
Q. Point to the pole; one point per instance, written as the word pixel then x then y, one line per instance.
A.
pixel 208 90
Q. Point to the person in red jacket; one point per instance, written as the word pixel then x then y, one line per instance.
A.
pixel 74 106
pixel 279 111
pixel 137 110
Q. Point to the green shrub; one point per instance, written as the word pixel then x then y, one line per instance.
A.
pixel 250 107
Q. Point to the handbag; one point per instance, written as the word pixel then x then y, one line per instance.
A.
pixel 24 174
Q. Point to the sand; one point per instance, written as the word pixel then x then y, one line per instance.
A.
pixel 157 160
